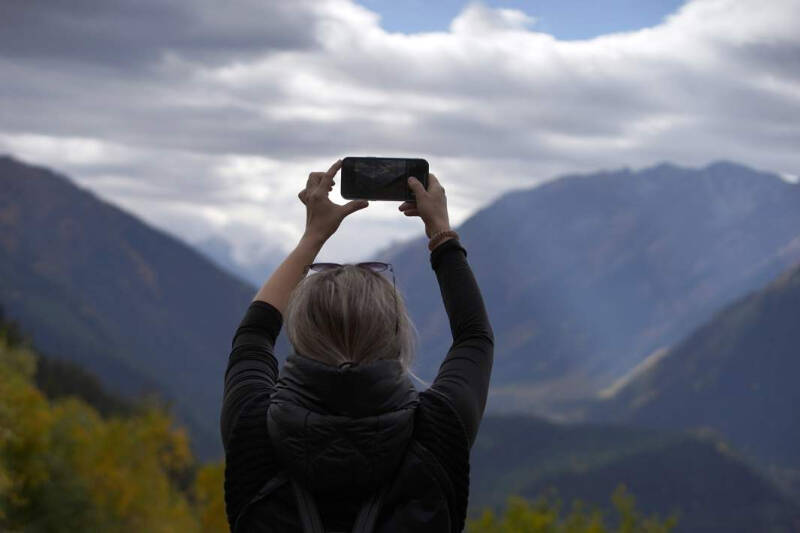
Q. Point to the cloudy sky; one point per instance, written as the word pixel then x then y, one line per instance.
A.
pixel 205 118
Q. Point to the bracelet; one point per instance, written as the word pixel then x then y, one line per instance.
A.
pixel 439 236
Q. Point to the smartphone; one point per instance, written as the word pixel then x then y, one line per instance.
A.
pixel 381 178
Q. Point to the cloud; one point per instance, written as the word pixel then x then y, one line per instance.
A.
pixel 478 19
pixel 137 33
pixel 207 120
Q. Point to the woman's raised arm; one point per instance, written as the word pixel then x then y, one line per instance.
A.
pixel 252 368
pixel 463 377
pixel 323 218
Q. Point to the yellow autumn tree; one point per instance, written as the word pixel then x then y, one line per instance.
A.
pixel 543 515
pixel 63 467
pixel 209 498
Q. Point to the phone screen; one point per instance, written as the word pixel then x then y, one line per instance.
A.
pixel 379 178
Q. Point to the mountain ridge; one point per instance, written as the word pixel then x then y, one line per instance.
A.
pixel 94 284
pixel 602 269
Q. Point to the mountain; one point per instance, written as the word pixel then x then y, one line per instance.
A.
pixel 585 276
pixel 737 374
pixel 95 285
pixel 711 487
pixel 256 272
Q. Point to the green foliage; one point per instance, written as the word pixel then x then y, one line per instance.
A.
pixel 543 515
pixel 9 330
pixel 58 378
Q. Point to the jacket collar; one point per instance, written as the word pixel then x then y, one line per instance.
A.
pixel 338 429
pixel 352 391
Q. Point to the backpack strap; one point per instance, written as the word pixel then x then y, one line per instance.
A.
pixel 273 483
pixel 312 523
pixel 365 521
pixel 307 509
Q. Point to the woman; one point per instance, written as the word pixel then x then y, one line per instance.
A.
pixel 342 436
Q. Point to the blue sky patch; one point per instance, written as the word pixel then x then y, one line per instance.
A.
pixel 566 20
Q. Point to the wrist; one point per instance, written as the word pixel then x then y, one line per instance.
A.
pixel 439 243
pixel 440 237
pixel 437 228
pixel 313 240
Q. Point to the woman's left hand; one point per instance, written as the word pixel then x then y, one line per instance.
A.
pixel 323 217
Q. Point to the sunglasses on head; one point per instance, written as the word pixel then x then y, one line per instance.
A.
pixel 375 266
pixel 371 265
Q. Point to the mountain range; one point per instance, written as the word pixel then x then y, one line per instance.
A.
pixel 586 276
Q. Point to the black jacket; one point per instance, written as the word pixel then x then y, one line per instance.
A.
pixel 346 433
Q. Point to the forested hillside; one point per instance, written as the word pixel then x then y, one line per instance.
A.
pixel 736 374
pixel 710 486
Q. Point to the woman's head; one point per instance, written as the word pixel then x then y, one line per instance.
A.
pixel 349 314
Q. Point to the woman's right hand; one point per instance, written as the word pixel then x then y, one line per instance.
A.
pixel 430 205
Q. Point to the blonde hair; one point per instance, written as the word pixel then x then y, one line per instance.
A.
pixel 349 314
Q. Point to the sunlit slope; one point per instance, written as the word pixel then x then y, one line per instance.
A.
pixel 585 276
pixel 737 374
pixel 95 285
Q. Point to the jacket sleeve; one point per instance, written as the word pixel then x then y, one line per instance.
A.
pixel 463 377
pixel 252 367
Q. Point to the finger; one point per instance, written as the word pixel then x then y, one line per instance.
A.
pixel 313 180
pixel 302 195
pixel 433 181
pixel 335 167
pixel 411 213
pixel 353 206
pixel 416 186
pixel 407 205
pixel 327 178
